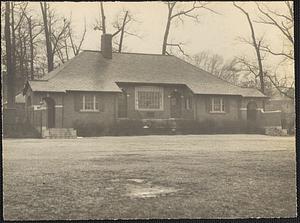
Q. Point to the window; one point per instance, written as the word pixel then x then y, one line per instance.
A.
pixel 217 105
pixel 149 98
pixel 89 103
pixel 188 103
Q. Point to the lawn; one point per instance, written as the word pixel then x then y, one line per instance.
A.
pixel 206 176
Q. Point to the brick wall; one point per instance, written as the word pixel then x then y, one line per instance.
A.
pixel 165 113
pixel 232 108
pixel 66 113
pixel 105 116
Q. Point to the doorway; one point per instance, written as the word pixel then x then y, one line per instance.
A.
pixel 251 111
pixel 175 107
pixel 122 105
pixel 50 112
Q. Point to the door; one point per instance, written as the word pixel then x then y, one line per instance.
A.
pixel 252 117
pixel 122 105
pixel 175 107
pixel 251 111
pixel 50 112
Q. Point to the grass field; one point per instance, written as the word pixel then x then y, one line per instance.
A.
pixel 223 176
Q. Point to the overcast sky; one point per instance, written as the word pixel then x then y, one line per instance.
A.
pixel 215 33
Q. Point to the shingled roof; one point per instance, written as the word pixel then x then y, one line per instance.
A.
pixel 90 71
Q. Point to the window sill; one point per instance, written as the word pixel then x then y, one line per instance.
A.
pixel 217 112
pixel 148 110
pixel 89 110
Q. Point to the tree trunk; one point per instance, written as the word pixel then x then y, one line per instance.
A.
pixel 31 49
pixel 10 74
pixel 257 50
pixel 21 57
pixel 259 60
pixel 122 32
pixel 50 56
pixel 165 41
pixel 13 52
pixel 103 18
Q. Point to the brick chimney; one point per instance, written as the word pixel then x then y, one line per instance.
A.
pixel 106 46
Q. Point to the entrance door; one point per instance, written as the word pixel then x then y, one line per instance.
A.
pixel 175 105
pixel 122 105
pixel 251 117
pixel 251 111
pixel 50 112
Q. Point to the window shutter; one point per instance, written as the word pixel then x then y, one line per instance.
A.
pixel 227 104
pixel 101 104
pixel 77 102
pixel 208 104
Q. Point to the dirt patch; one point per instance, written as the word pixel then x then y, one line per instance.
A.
pixel 148 191
pixel 136 180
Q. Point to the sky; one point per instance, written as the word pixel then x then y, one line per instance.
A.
pixel 215 33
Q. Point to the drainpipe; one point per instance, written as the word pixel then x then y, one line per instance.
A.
pixel 195 109
pixel 62 111
pixel 41 122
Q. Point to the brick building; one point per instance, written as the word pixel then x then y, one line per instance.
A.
pixel 104 87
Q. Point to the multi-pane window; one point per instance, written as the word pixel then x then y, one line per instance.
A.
pixel 217 104
pixel 89 103
pixel 149 98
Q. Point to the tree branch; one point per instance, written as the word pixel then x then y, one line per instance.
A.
pixel 178 45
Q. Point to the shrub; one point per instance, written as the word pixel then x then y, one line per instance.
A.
pixel 90 129
pixel 136 127
pixel 20 130
pixel 231 126
pixel 127 127
pixel 211 126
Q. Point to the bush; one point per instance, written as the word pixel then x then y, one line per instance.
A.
pixel 90 129
pixel 121 128
pixel 20 130
pixel 136 127
pixel 229 126
pixel 127 128
pixel 211 126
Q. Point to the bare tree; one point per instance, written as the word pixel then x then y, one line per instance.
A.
pixel 56 31
pixel 179 14
pixel 32 26
pixel 50 55
pixel 103 18
pixel 284 22
pixel 120 24
pixel 70 45
pixel 122 32
pixel 76 47
pixel 101 23
pixel 215 64
pixel 283 86
pixel 13 39
pixel 209 62
pixel 256 43
pixel 9 64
